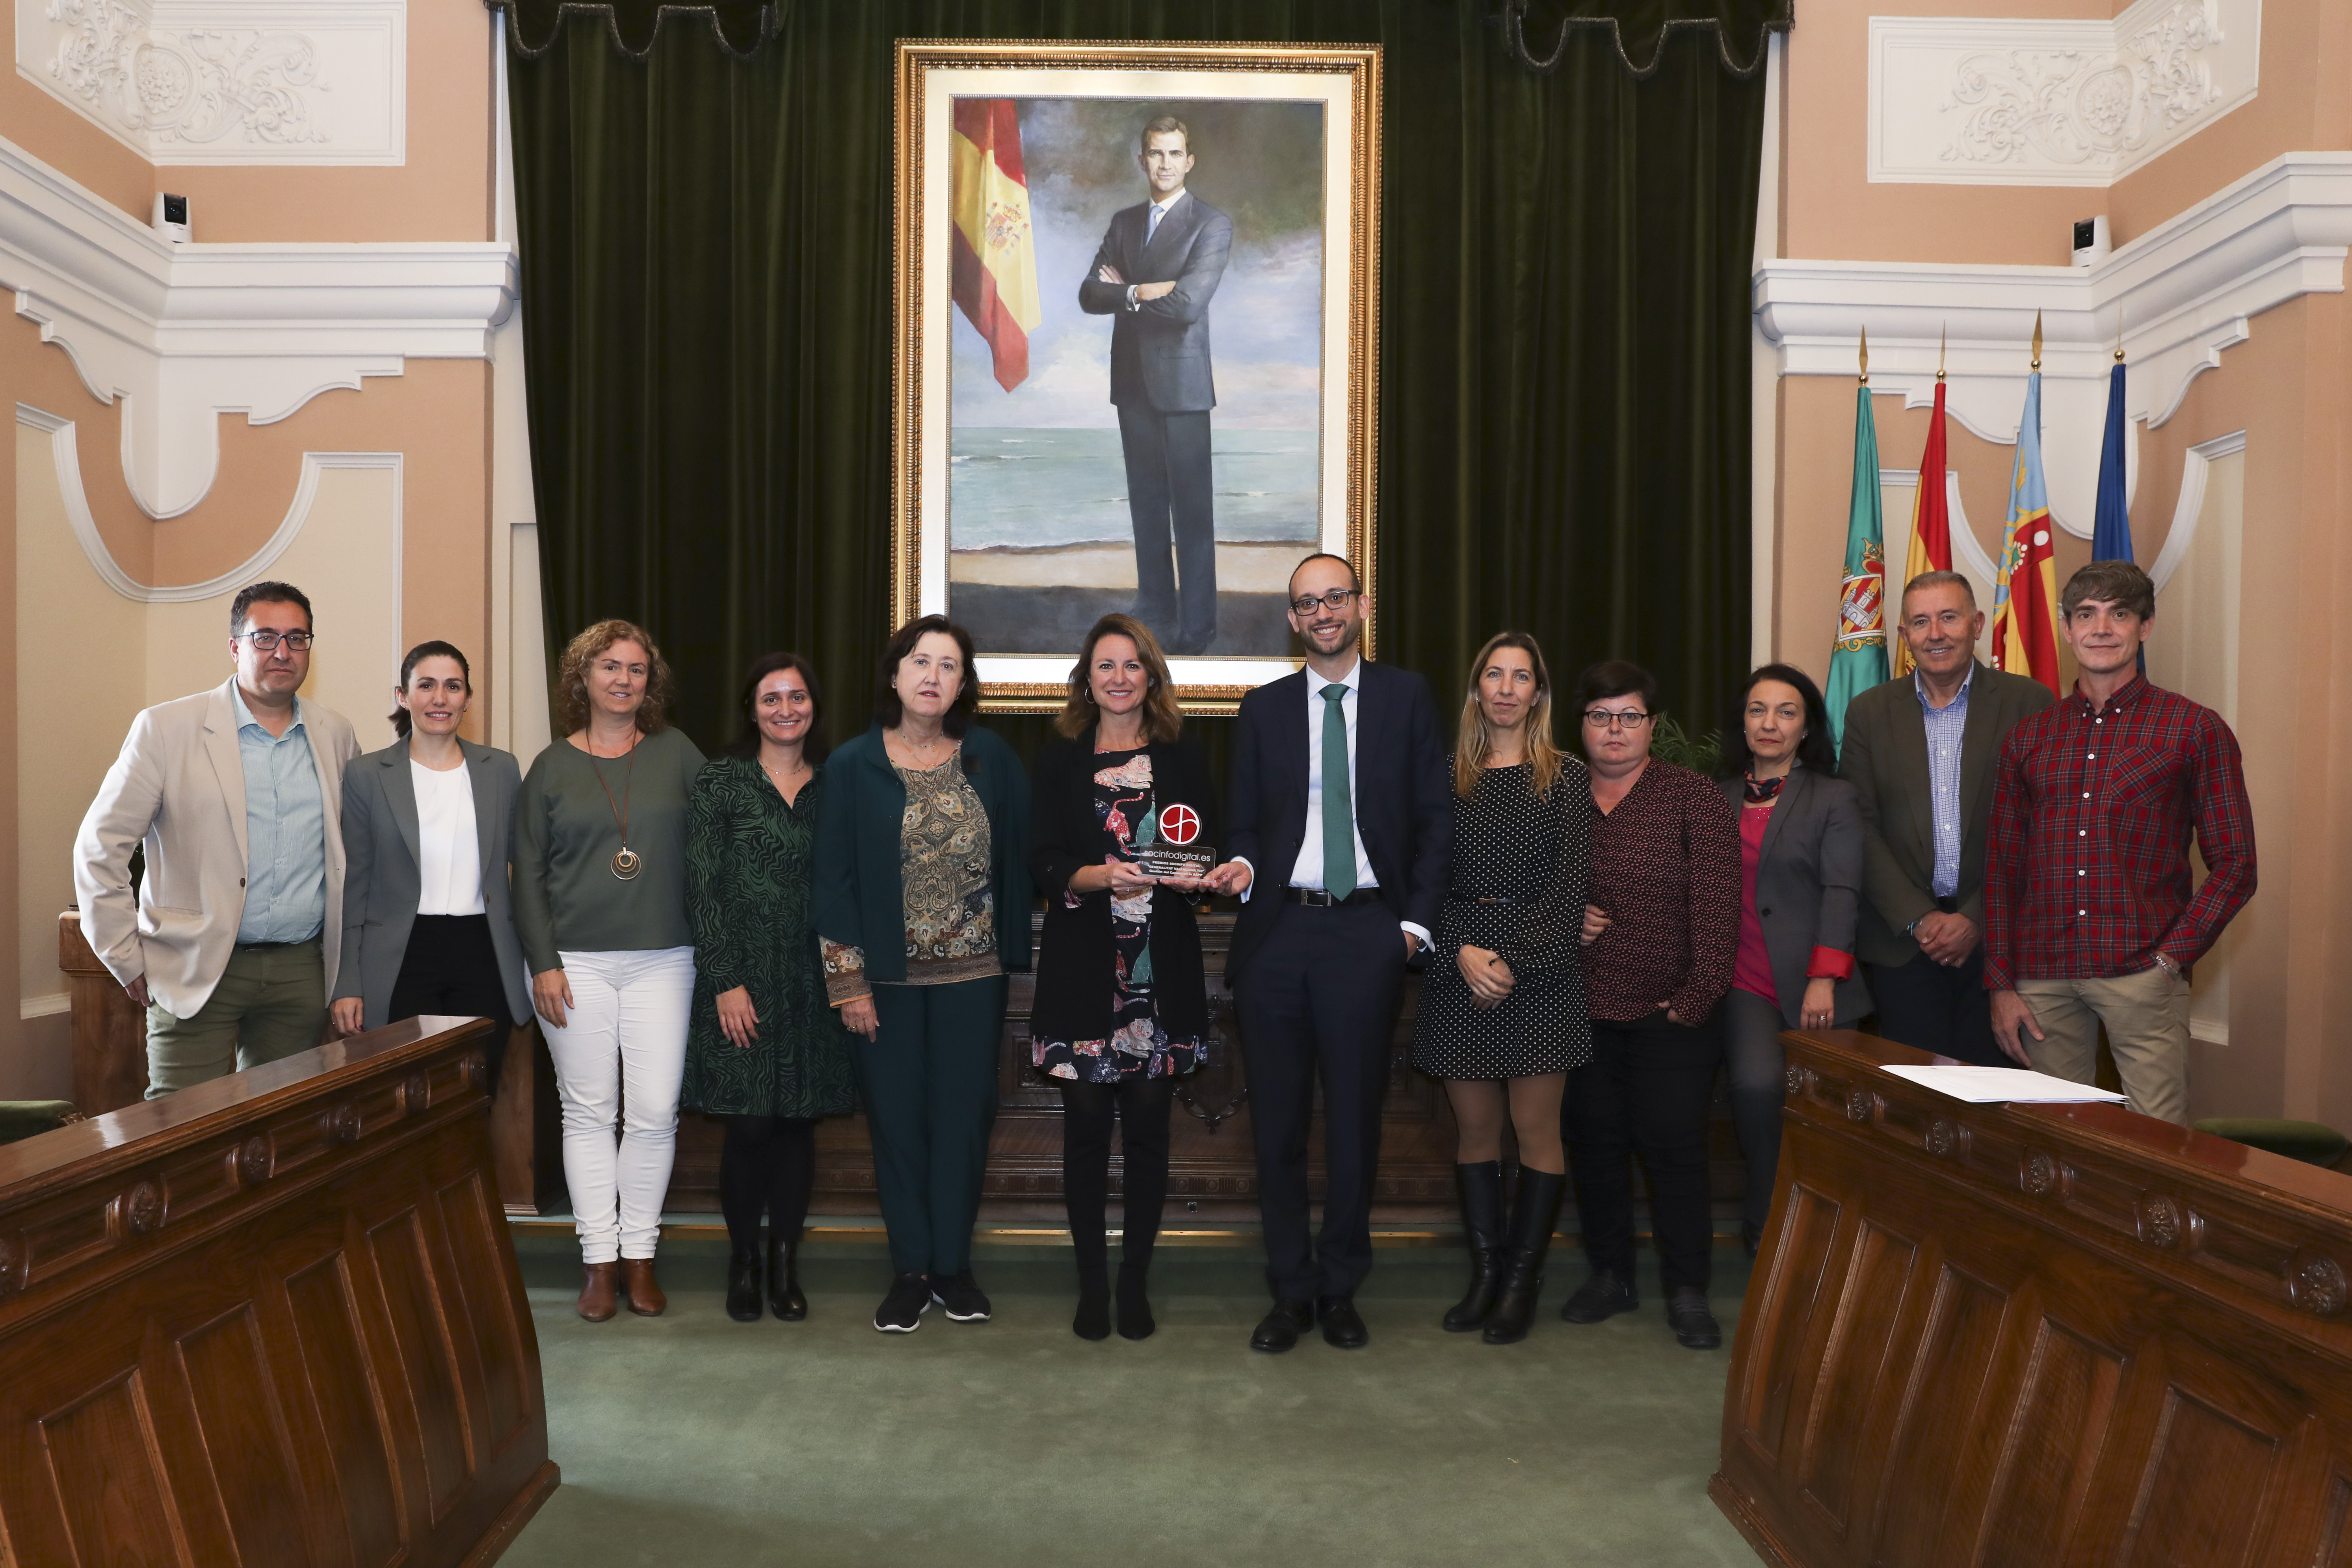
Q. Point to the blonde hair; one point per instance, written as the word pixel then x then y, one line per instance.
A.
pixel 1163 720
pixel 1473 742
pixel 571 677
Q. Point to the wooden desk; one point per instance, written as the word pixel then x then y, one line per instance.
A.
pixel 274 1320
pixel 2014 1335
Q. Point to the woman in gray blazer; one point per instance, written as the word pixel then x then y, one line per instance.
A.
pixel 428 833
pixel 1801 846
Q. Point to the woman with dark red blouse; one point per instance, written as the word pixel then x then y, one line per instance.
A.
pixel 1661 932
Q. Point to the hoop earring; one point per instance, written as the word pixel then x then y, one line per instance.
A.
pixel 1090 697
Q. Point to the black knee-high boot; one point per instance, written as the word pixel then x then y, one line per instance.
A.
pixel 1531 1223
pixel 1086 1193
pixel 1482 1229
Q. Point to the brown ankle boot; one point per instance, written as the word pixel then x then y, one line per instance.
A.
pixel 596 1296
pixel 646 1297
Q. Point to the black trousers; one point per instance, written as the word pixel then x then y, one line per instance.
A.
pixel 1318 1005
pixel 1141 1105
pixel 1645 1091
pixel 1944 1011
pixel 1758 1073
pixel 767 1164
pixel 451 969
pixel 1170 492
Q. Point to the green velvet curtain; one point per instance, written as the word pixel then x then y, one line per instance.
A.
pixel 1565 262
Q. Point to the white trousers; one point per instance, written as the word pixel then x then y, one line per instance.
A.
pixel 624 1041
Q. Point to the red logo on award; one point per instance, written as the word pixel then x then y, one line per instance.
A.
pixel 1179 823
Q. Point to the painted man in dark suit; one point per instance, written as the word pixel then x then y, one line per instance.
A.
pixel 1341 826
pixel 1921 751
pixel 1158 264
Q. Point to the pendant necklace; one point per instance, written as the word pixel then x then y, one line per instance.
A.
pixel 626 862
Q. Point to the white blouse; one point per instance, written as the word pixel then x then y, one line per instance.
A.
pixel 448 849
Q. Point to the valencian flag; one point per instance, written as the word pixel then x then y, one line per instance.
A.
pixel 1858 658
pixel 1931 525
pixel 995 254
pixel 2025 589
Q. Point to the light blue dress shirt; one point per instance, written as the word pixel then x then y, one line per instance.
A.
pixel 1946 726
pixel 285 831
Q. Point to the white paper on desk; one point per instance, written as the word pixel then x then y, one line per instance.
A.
pixel 1991 1086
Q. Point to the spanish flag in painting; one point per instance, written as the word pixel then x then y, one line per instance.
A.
pixel 2025 588
pixel 995 253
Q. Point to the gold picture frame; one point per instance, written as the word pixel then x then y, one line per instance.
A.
pixel 1038 392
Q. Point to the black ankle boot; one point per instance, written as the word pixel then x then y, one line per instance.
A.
pixel 1531 1222
pixel 784 1298
pixel 1481 1228
pixel 1135 1318
pixel 1093 1318
pixel 743 1287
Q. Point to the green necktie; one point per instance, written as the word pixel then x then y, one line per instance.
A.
pixel 1338 811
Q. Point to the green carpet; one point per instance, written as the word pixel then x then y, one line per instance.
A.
pixel 691 1439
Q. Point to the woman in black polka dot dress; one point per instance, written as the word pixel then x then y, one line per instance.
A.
pixel 1502 1013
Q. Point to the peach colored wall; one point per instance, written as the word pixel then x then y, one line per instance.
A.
pixel 1834 212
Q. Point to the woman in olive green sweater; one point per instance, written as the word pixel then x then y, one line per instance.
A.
pixel 922 905
pixel 600 903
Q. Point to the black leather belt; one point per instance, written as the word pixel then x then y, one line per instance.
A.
pixel 1317 898
pixel 1484 898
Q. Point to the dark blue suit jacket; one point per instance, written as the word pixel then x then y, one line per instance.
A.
pixel 1160 351
pixel 1403 799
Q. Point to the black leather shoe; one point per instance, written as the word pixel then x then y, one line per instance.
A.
pixel 1342 1328
pixel 743 1287
pixel 1695 1327
pixel 1279 1330
pixel 784 1298
pixel 1605 1295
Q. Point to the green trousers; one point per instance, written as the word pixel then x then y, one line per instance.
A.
pixel 270 1002
pixel 930 1083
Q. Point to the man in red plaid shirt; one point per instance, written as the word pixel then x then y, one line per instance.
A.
pixel 2089 913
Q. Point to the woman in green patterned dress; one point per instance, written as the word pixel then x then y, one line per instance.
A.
pixel 764 1052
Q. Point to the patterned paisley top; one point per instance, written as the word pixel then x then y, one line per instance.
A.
pixel 944 853
pixel 1138 1046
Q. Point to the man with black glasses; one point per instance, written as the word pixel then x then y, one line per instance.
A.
pixel 232 935
pixel 1341 824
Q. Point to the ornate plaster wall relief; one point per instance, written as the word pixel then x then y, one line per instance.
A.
pixel 258 81
pixel 2073 102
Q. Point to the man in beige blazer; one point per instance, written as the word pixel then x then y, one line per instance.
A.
pixel 236 793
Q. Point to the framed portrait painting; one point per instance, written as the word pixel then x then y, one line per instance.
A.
pixel 1136 356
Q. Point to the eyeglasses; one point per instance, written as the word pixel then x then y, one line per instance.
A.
pixel 266 642
pixel 1610 719
pixel 1336 599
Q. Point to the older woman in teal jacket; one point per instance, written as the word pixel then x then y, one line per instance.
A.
pixel 922 906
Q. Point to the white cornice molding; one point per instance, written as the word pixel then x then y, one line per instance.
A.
pixel 182 333
pixel 2178 296
pixel 279 82
pixel 1999 100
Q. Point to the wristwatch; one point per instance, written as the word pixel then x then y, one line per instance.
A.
pixel 2164 962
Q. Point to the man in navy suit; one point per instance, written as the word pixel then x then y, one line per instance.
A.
pixel 1158 264
pixel 1342 822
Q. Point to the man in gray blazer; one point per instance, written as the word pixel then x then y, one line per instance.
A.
pixel 1921 753
pixel 236 793
pixel 1158 266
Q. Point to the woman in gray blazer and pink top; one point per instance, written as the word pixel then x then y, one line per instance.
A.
pixel 428 834
pixel 1801 854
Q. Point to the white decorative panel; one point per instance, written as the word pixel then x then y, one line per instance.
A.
pixel 257 81
pixel 2007 101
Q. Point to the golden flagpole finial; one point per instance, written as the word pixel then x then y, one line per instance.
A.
pixel 2119 335
pixel 1865 356
pixel 2037 339
pixel 1943 345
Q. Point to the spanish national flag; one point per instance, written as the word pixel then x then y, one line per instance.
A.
pixel 995 254
pixel 1931 523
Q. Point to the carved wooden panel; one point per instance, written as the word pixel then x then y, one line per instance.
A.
pixel 2036 1335
pixel 272 1319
